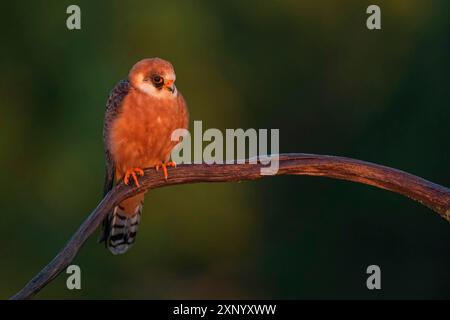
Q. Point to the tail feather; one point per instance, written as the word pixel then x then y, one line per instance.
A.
pixel 120 229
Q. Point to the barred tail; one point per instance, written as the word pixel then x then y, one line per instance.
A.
pixel 120 228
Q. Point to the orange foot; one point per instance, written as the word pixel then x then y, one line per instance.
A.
pixel 164 166
pixel 132 173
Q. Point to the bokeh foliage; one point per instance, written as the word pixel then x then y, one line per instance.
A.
pixel 309 68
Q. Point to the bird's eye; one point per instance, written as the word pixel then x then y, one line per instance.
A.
pixel 158 81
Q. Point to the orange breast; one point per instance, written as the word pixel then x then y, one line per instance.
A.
pixel 140 135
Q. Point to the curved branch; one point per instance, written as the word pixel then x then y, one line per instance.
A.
pixel 432 195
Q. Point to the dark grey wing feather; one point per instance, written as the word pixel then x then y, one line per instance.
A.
pixel 112 110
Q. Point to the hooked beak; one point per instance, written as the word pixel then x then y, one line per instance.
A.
pixel 169 85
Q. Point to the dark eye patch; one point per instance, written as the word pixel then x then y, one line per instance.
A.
pixel 157 80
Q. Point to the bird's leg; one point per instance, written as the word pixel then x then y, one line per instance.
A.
pixel 164 166
pixel 132 173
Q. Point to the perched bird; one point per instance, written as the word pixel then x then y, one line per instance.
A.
pixel 141 114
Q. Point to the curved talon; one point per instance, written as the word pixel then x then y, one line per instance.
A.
pixel 132 173
pixel 164 166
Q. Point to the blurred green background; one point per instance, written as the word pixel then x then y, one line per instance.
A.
pixel 310 68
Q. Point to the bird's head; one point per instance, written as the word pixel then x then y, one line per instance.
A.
pixel 154 77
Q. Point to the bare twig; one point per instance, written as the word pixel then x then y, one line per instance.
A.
pixel 434 196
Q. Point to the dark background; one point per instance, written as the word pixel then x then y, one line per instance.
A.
pixel 310 68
